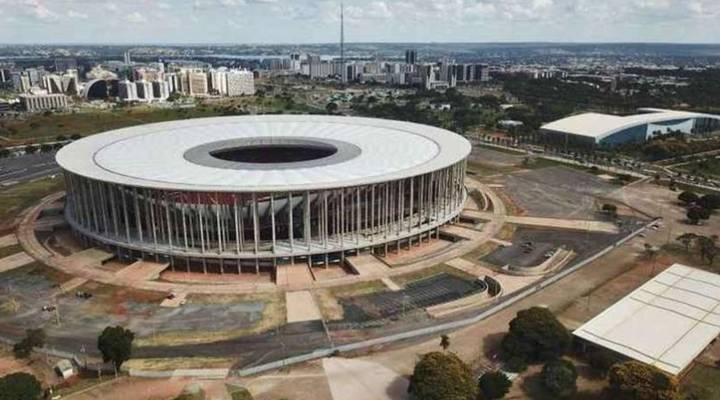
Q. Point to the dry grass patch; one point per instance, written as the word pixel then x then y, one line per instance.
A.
pixel 169 364
pixel 273 315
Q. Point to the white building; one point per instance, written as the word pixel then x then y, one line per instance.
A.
pixel 161 90
pixel 43 102
pixel 127 91
pixel 219 81
pixel 197 83
pixel 667 322
pixel 240 83
pixel 144 90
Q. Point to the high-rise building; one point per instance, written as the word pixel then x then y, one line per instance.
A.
pixel 173 81
pixel 295 61
pixel 161 90
pixel 410 57
pixel 43 102
pixel 197 83
pixel 240 83
pixel 144 90
pixel 21 81
pixel 126 57
pixel 219 81
pixel 127 91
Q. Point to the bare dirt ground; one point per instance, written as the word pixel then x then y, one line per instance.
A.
pixel 134 388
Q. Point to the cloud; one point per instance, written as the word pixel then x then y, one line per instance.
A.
pixel 76 14
pixel 110 6
pixel 39 11
pixel 136 18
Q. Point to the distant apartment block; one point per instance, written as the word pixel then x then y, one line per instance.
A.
pixel 43 102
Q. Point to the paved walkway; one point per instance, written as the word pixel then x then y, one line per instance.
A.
pixel 16 260
pixel 390 284
pixel 77 266
pixel 141 271
pixel 569 224
pixel 300 307
pixel 8 240
pixel 354 379
pixel 367 265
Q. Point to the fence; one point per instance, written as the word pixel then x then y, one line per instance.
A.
pixel 512 299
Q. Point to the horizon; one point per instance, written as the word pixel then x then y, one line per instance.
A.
pixel 377 21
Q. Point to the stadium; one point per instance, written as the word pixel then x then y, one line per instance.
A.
pixel 236 194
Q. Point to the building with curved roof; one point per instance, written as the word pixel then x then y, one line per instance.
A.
pixel 255 191
pixel 610 130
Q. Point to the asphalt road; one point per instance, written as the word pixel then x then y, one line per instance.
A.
pixel 20 169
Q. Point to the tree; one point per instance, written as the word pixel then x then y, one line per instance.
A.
pixel 30 149
pixel 19 386
pixel 33 338
pixel 687 239
pixel 115 344
pixel 688 197
pixel 331 107
pixel 535 335
pixel 442 376
pixel 637 381
pixel 559 377
pixel 445 342
pixel 710 201
pixel 696 213
pixel 708 248
pixel 494 385
pixel 610 209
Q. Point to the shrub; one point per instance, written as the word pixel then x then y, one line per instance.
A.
pixel 19 386
pixel 536 335
pixel 442 376
pixel 559 377
pixel 637 381
pixel 494 385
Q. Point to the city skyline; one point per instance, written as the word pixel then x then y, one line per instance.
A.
pixel 305 21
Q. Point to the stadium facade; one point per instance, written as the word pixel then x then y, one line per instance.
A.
pixel 604 130
pixel 230 193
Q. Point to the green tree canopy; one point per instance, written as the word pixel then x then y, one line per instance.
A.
pixel 536 335
pixel 33 338
pixel 559 377
pixel 442 376
pixel 19 386
pixel 637 381
pixel 688 197
pixel 115 345
pixel 494 385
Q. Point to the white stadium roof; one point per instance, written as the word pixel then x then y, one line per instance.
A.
pixel 599 126
pixel 154 155
pixel 666 322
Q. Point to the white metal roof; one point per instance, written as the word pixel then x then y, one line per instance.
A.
pixel 666 322
pixel 599 126
pixel 152 155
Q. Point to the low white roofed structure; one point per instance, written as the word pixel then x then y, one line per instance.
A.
pixel 598 127
pixel 667 322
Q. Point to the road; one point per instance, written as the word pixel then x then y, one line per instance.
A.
pixel 25 168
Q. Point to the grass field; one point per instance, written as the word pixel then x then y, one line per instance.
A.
pixel 48 127
pixel 273 315
pixel 708 166
pixel 21 196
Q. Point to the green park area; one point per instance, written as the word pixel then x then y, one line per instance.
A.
pixel 705 167
pixel 19 197
pixel 52 126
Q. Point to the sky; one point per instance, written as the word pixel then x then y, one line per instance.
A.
pixel 317 21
